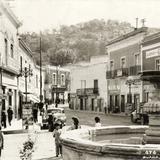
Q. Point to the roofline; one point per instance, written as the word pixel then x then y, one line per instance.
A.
pixel 25 46
pixel 151 37
pixel 130 34
pixel 10 14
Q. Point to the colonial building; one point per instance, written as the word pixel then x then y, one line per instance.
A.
pixel 29 76
pixel 89 85
pixel 151 68
pixel 124 85
pixel 57 81
pixel 8 58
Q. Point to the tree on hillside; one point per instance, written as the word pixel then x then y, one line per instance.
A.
pixel 78 42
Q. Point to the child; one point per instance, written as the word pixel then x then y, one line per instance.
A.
pixel 56 134
pixel 98 122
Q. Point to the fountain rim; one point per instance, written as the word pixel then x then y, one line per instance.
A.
pixel 75 140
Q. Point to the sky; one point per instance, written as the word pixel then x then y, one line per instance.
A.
pixel 39 15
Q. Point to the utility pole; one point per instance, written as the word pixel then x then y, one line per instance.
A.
pixel 41 96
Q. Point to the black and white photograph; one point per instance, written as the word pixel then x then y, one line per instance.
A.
pixel 79 80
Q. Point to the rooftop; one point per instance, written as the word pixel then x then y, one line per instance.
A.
pixel 130 34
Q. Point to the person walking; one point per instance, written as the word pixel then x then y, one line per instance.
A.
pixel 1 141
pixel 10 115
pixel 56 135
pixel 97 122
pixel 3 120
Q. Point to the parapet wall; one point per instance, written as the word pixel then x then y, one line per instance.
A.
pixel 77 144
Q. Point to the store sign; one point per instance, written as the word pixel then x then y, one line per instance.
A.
pixel 27 114
pixel 119 72
pixel 153 53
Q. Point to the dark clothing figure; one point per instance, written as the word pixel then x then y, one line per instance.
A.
pixel 1 141
pixel 3 120
pixel 35 115
pixel 50 123
pixel 10 115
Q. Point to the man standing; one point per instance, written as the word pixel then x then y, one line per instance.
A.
pixel 10 115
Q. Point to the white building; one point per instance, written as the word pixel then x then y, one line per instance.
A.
pixel 56 84
pixel 88 90
pixel 31 84
pixel 8 58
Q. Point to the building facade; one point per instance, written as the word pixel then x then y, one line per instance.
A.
pixel 57 80
pixel 89 85
pixel 151 68
pixel 8 58
pixel 125 90
pixel 29 77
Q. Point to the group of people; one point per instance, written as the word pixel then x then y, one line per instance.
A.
pixel 4 117
pixel 58 129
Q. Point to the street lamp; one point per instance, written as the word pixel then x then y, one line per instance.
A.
pixel 26 73
pixel 57 97
pixel 130 81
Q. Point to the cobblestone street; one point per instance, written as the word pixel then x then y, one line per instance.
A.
pixel 45 149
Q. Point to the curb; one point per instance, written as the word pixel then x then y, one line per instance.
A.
pixel 23 131
pixel 51 158
pixel 101 113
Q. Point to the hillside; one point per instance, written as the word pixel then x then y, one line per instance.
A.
pixel 75 43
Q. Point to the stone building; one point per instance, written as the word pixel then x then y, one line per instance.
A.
pixel 9 70
pixel 88 89
pixel 125 63
pixel 151 68
pixel 31 84
pixel 57 80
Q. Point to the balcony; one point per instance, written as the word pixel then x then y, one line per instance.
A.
pixel 122 72
pixel 87 91
pixel 117 73
pixel 111 74
pixel 134 70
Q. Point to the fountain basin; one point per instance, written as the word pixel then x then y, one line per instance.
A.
pixel 119 143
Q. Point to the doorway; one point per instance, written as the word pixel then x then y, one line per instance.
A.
pixel 122 103
pixel 81 104
pixel 92 103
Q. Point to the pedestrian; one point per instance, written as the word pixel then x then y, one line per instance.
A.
pixel 1 141
pixel 97 122
pixel 56 135
pixel 10 115
pixel 50 122
pixel 75 124
pixel 3 120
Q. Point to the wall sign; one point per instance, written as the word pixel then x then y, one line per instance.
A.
pixel 153 53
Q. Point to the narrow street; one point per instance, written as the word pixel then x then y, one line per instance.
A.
pixel 45 149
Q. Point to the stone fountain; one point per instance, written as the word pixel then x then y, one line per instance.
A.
pixel 116 142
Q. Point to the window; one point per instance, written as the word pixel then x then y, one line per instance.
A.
pixel 137 59
pixel 54 79
pixel 36 81
pixel 10 97
pixel 6 46
pixel 95 83
pixel 62 79
pixel 21 63
pixel 83 84
pixel 111 65
pixel 157 64
pixel 12 51
pixel 6 51
pixel 123 62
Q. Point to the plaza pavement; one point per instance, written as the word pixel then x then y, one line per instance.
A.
pixel 45 148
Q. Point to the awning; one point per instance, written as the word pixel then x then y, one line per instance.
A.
pixel 33 98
